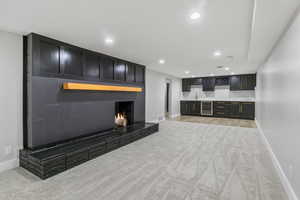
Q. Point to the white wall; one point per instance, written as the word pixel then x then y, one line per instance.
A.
pixel 11 65
pixel 156 94
pixel 278 103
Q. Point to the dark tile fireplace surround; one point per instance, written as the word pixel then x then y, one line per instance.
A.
pixel 63 129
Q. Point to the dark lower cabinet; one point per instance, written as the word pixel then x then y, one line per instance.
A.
pixel 224 109
pixel 247 110
pixel 190 107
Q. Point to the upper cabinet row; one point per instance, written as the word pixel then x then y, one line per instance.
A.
pixel 53 58
pixel 236 82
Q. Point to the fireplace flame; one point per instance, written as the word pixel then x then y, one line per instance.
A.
pixel 120 120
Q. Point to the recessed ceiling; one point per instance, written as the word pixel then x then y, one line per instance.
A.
pixel 145 31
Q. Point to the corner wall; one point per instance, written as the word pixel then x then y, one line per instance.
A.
pixel 278 105
pixel 11 65
pixel 156 94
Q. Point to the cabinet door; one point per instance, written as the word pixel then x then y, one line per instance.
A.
pixel 130 72
pixel 194 107
pixel 107 68
pixel 235 110
pixel 184 108
pixel 49 57
pixel 235 83
pixel 244 82
pixel 196 81
pixel 119 70
pixel 247 110
pixel 208 84
pixel 92 66
pixel 139 74
pixel 186 85
pixel 72 61
pixel 251 82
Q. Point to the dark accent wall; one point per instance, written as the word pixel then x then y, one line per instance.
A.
pixel 54 115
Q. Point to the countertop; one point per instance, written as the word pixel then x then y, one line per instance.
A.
pixel 219 99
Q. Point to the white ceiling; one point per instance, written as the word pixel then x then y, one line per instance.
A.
pixel 148 30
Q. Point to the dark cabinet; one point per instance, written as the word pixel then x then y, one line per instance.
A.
pixel 107 68
pixel 222 81
pixel 247 110
pixel 186 85
pixel 234 110
pixel 209 83
pixel 91 66
pixel 130 72
pixel 196 81
pixel 243 82
pixel 190 107
pixel 235 83
pixel 139 74
pixel 49 57
pixel 72 61
pixel 119 70
pixel 221 109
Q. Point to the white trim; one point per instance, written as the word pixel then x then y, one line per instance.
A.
pixel 175 115
pixel 284 180
pixel 9 164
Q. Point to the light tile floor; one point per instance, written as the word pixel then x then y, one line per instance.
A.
pixel 183 161
pixel 217 121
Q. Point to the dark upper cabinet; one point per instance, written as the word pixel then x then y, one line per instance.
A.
pixel 186 85
pixel 72 61
pixel 196 81
pixel 222 80
pixel 208 83
pixel 243 82
pixel 119 70
pixel 139 74
pixel 52 58
pixel 91 65
pixel 49 57
pixel 130 72
pixel 235 83
pixel 107 68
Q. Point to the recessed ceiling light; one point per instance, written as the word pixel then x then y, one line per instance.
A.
pixel 195 16
pixel 227 68
pixel 232 73
pixel 212 74
pixel 109 40
pixel 193 76
pixel 161 61
pixel 217 53
pixel 187 72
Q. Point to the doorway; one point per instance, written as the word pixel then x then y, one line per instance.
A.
pixel 168 99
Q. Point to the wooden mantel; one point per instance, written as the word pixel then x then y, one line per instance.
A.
pixel 98 87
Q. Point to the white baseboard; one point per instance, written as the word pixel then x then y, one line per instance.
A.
pixel 285 182
pixel 175 115
pixel 9 164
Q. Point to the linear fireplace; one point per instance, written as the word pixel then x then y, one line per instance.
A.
pixel 124 114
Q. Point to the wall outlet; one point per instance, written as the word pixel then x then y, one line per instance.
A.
pixel 8 150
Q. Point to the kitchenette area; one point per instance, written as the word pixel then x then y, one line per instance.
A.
pixel 231 97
